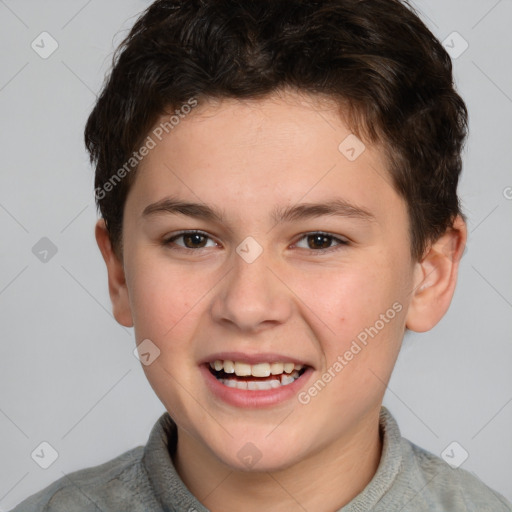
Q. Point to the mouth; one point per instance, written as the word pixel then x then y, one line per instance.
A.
pixel 255 377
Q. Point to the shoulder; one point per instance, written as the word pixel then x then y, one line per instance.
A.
pixel 118 484
pixel 435 485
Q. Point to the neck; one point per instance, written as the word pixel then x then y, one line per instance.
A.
pixel 324 481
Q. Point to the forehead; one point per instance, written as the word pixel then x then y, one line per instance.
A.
pixel 246 154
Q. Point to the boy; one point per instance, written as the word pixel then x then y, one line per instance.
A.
pixel 278 190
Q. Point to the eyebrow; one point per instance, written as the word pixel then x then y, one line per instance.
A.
pixel 174 206
pixel 336 207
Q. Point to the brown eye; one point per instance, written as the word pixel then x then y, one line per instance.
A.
pixel 190 240
pixel 319 241
pixel 194 240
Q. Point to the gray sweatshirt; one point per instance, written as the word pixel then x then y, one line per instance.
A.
pixel 408 479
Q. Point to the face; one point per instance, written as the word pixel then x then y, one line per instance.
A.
pixel 251 237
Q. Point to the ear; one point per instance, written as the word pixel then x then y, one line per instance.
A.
pixel 116 277
pixel 435 278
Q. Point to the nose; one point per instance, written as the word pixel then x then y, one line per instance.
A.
pixel 251 298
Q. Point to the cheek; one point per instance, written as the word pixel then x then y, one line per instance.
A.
pixel 365 318
pixel 166 305
pixel 163 298
pixel 349 297
pixel 362 313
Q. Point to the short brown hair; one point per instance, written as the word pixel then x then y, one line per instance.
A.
pixel 374 56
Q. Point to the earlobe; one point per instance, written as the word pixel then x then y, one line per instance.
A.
pixel 117 287
pixel 435 278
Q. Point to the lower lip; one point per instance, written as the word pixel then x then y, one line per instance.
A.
pixel 250 399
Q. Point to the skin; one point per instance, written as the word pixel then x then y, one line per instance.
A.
pixel 245 158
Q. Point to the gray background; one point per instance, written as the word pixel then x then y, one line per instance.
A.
pixel 67 372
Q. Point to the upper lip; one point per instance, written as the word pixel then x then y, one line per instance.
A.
pixel 253 358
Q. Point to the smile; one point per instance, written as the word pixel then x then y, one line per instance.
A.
pixel 255 377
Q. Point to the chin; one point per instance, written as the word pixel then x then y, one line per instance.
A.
pixel 263 453
pixel 255 462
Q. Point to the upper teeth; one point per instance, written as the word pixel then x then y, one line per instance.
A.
pixel 256 370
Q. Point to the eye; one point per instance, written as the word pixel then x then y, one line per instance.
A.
pixel 190 240
pixel 320 241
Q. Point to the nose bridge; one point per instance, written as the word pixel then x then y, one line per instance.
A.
pixel 251 295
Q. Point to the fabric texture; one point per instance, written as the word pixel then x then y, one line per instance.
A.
pixel 408 479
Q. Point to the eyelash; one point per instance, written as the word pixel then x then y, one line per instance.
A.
pixel 340 242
